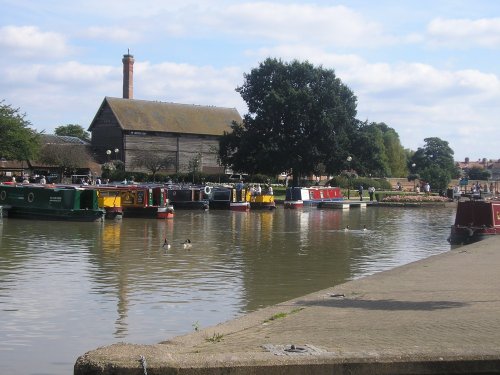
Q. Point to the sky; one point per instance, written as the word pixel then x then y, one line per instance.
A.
pixel 424 68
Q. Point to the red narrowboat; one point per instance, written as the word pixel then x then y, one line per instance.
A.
pixel 475 220
pixel 297 197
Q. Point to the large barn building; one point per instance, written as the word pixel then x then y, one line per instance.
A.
pixel 181 132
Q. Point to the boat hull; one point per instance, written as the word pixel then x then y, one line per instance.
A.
pixel 50 202
pixel 475 220
pixel 298 197
pixel 54 214
pixel 239 206
pixel 463 235
pixel 165 212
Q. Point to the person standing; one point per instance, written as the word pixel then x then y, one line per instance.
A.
pixel 239 190
pixel 427 188
pixel 360 191
pixel 371 192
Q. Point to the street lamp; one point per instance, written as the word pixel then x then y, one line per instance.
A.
pixel 414 177
pixel 116 153
pixel 108 152
pixel 349 159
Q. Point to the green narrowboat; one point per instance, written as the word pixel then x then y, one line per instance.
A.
pixel 50 202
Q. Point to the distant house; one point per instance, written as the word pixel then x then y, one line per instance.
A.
pixel 36 168
pixel 80 157
pixel 124 128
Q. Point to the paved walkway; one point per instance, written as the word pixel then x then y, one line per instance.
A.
pixel 436 316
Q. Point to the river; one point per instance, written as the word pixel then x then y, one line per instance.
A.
pixel 66 288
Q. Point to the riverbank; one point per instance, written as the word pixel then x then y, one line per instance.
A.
pixel 438 315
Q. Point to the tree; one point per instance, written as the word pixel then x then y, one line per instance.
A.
pixel 152 162
pixel 434 163
pixel 369 151
pixel 300 118
pixel 73 130
pixel 17 140
pixel 67 157
pixel 476 173
pixel 395 152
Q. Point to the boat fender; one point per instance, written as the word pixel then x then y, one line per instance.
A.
pixel 3 195
pixel 470 232
pixel 31 197
pixel 207 190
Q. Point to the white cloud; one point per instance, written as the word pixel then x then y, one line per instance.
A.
pixel 115 34
pixel 464 33
pixel 31 42
pixel 189 84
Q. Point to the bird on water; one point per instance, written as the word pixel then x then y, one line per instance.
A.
pixel 187 244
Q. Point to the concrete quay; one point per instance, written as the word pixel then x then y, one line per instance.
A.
pixel 440 315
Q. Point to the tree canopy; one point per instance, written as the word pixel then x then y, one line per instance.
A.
pixel 73 130
pixel 17 140
pixel 66 157
pixel 434 163
pixel 300 119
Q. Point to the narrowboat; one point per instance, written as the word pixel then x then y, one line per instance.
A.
pixel 111 202
pixel 189 197
pixel 475 220
pixel 140 201
pixel 50 202
pixel 297 197
pixel 262 201
pixel 227 198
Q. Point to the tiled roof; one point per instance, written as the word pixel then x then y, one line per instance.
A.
pixel 153 116
pixel 62 139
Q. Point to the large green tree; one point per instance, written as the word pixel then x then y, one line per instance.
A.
pixel 369 152
pixel 434 163
pixel 300 118
pixel 17 140
pixel 73 130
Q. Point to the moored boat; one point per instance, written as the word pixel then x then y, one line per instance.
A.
pixel 297 197
pixel 187 197
pixel 260 201
pixel 111 202
pixel 475 220
pixel 227 198
pixel 140 201
pixel 50 202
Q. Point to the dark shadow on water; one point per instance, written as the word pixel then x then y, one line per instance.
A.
pixel 384 304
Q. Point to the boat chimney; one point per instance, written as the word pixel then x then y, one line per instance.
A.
pixel 128 76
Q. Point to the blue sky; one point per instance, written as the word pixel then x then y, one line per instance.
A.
pixel 425 68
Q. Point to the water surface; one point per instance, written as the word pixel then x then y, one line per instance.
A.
pixel 66 288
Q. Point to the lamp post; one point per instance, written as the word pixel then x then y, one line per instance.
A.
pixel 108 152
pixel 349 159
pixel 414 177
pixel 116 153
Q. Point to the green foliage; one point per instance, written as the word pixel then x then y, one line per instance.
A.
pixel 476 173
pixel 395 153
pixel 377 151
pixel 300 116
pixel 343 182
pixel 17 140
pixel 370 155
pixel 434 163
pixel 73 130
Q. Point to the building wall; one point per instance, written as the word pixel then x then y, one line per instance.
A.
pixel 107 135
pixel 183 149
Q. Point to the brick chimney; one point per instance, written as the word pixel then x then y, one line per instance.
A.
pixel 128 76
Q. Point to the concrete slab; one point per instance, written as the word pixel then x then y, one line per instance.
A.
pixel 435 316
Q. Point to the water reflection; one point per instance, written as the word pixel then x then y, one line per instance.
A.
pixel 66 288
